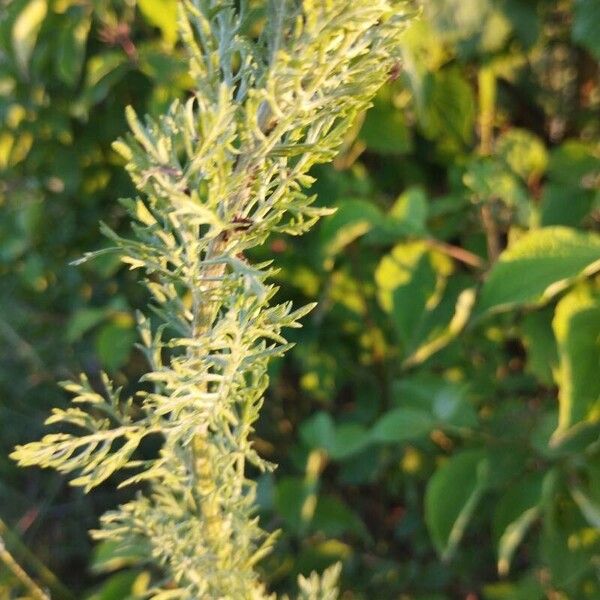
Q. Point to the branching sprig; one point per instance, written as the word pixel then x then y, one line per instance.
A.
pixel 217 174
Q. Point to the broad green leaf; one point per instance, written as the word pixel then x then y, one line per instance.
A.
pixel 84 320
pixel 101 66
pixel 401 425
pixel 447 403
pixel 512 538
pixel 14 149
pixel 7 141
pixel 451 406
pixel 440 339
pixel 161 14
pixel 424 50
pixel 537 266
pixel 102 72
pixel 410 301
pixel 451 498
pixel 457 19
pixel 164 68
pixel 542 434
pixel 117 587
pixel 318 431
pixel 114 344
pixel 346 291
pixel 515 512
pixel 585 25
pixel 589 509
pixel 350 438
pixel 573 164
pixel 72 40
pixel 448 113
pixel 352 220
pixel 524 153
pixel 409 212
pixel 334 518
pixel 25 32
pixel 290 494
pixel 562 549
pixel 528 588
pixel 111 556
pixel 505 463
pixel 563 205
pixel 577 329
pixel 385 130
pixel 364 468
pixel 398 268
pixel 576 439
pixel 492 37
pixel 490 179
pixel 569 194
pixel 524 19
pixel 538 338
pixel 338 440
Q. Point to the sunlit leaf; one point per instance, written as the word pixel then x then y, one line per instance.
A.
pixel 440 339
pixel 352 220
pixel 589 509
pixel 524 152
pixel 538 265
pixel 577 329
pixel 398 269
pixel 161 14
pixel 25 32
pixel 515 512
pixel 409 212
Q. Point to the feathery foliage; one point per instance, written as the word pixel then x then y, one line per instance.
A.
pixel 217 174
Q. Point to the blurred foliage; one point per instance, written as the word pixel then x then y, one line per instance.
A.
pixel 437 424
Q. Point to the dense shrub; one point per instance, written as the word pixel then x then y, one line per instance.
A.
pixel 436 424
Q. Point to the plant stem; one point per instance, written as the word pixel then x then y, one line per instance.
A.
pixel 50 580
pixel 203 315
pixel 460 254
pixel 487 109
pixel 491 232
pixel 7 558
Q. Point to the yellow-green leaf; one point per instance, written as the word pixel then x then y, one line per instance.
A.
pixel 539 265
pixel 353 219
pixel 524 152
pixel 577 329
pixel 25 32
pixel 161 14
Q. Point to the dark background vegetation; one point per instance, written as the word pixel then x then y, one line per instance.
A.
pixel 415 422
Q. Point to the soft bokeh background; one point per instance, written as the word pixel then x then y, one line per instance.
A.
pixel 415 422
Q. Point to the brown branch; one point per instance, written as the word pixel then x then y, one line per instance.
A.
pixel 456 252
pixel 492 235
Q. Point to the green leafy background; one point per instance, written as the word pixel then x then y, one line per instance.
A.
pixel 437 425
